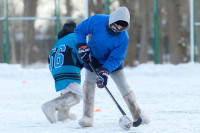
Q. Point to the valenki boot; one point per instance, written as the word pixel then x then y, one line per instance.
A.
pixel 88 105
pixel 65 101
pixel 64 114
pixel 135 110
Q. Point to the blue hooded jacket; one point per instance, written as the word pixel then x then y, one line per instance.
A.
pixel 109 50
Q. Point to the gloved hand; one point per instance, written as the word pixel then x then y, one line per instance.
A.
pixel 102 77
pixel 83 52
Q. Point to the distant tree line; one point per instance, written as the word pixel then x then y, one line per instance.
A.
pixel 30 44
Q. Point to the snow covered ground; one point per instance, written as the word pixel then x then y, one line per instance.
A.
pixel 168 94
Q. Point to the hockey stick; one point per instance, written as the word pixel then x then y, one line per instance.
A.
pixel 119 107
pixel 135 124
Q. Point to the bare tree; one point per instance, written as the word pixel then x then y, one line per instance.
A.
pixel 69 7
pixel 133 31
pixel 96 7
pixel 146 8
pixel 177 49
pixel 30 7
pixel 13 54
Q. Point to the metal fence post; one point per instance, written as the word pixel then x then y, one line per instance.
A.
pixel 7 34
pixel 106 6
pixel 4 32
pixel 192 30
pixel 156 32
pixel 194 12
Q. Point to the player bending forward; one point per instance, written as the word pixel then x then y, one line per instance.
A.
pixel 107 47
pixel 65 66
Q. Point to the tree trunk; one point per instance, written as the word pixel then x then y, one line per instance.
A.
pixel 13 54
pixel 69 7
pixel 133 32
pixel 177 49
pixel 96 7
pixel 29 31
pixel 143 55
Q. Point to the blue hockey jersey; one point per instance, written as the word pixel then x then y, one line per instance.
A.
pixel 64 62
pixel 109 50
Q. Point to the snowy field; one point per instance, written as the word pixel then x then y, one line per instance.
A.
pixel 168 94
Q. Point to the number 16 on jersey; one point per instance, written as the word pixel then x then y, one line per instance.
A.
pixel 56 59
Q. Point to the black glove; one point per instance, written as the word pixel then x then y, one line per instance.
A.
pixel 102 77
pixel 83 52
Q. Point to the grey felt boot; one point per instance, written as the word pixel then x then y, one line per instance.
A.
pixel 88 105
pixel 64 114
pixel 138 116
pixel 65 101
